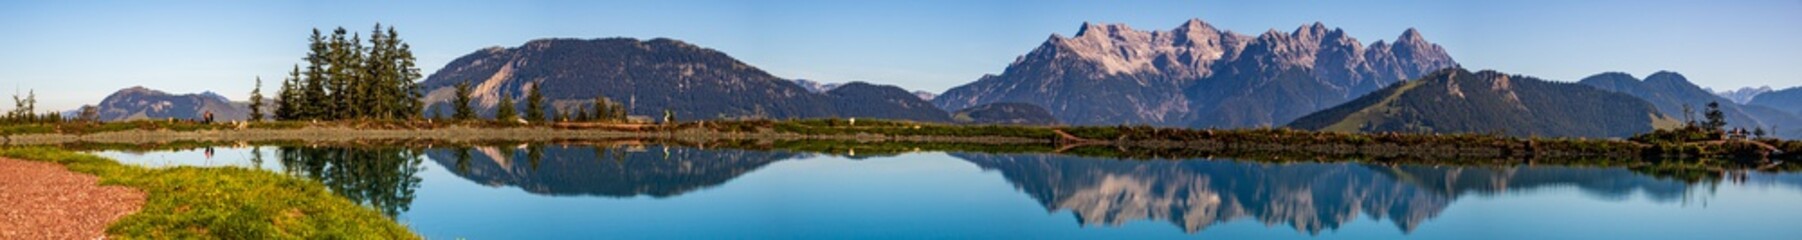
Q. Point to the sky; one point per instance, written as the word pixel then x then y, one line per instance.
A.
pixel 77 52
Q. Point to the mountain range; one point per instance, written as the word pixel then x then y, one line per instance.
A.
pixel 1197 75
pixel 650 77
pixel 140 103
pixel 1193 75
pixel 1672 93
pixel 1743 95
pixel 1788 100
pixel 1459 101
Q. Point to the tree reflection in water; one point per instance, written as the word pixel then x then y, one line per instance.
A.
pixel 382 178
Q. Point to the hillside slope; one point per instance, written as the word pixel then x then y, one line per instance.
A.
pixel 1459 101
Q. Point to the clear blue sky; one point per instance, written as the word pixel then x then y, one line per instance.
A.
pixel 77 52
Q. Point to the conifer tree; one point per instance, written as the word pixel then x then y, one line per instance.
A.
pixel 90 113
pixel 287 99
pixel 607 110
pixel 256 101
pixel 463 111
pixel 314 102
pixel 535 105
pixel 374 88
pixel 340 75
pixel 406 94
pixel 346 79
pixel 505 111
pixel 1717 120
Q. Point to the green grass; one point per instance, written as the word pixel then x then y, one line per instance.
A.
pixel 224 202
pixel 1357 120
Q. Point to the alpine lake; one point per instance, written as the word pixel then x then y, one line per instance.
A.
pixel 656 191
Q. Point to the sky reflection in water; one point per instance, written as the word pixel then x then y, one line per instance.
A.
pixel 533 192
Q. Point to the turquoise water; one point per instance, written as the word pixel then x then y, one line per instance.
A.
pixel 655 192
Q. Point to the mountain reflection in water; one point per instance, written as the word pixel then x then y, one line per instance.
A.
pixel 623 171
pixel 1309 197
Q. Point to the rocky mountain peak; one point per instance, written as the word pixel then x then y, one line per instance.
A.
pixel 1195 25
pixel 142 103
pixel 1103 30
pixel 1112 74
pixel 1101 50
pixel 1745 94
pixel 137 90
pixel 1411 36
pixel 1314 31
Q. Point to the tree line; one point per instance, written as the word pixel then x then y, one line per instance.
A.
pixel 345 79
pixel 25 111
pixel 603 109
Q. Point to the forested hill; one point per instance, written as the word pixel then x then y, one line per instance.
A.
pixel 1459 101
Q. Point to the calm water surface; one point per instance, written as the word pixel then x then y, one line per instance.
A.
pixel 656 192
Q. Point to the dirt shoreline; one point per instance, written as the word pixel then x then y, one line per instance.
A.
pixel 42 200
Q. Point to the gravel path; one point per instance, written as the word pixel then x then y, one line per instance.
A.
pixel 40 200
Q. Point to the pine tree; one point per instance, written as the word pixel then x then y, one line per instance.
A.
pixel 26 108
pixel 314 103
pixel 601 108
pixel 607 110
pixel 1717 120
pixel 287 98
pixel 378 77
pixel 1689 116
pixel 21 112
pixel 90 113
pixel 341 75
pixel 617 111
pixel 506 111
pixel 399 60
pixel 463 110
pixel 346 79
pixel 256 101
pixel 535 105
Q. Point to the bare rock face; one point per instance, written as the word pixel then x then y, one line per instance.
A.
pixel 816 87
pixel 140 103
pixel 1197 75
pixel 924 95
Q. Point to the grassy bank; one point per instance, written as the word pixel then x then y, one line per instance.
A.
pixel 224 202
